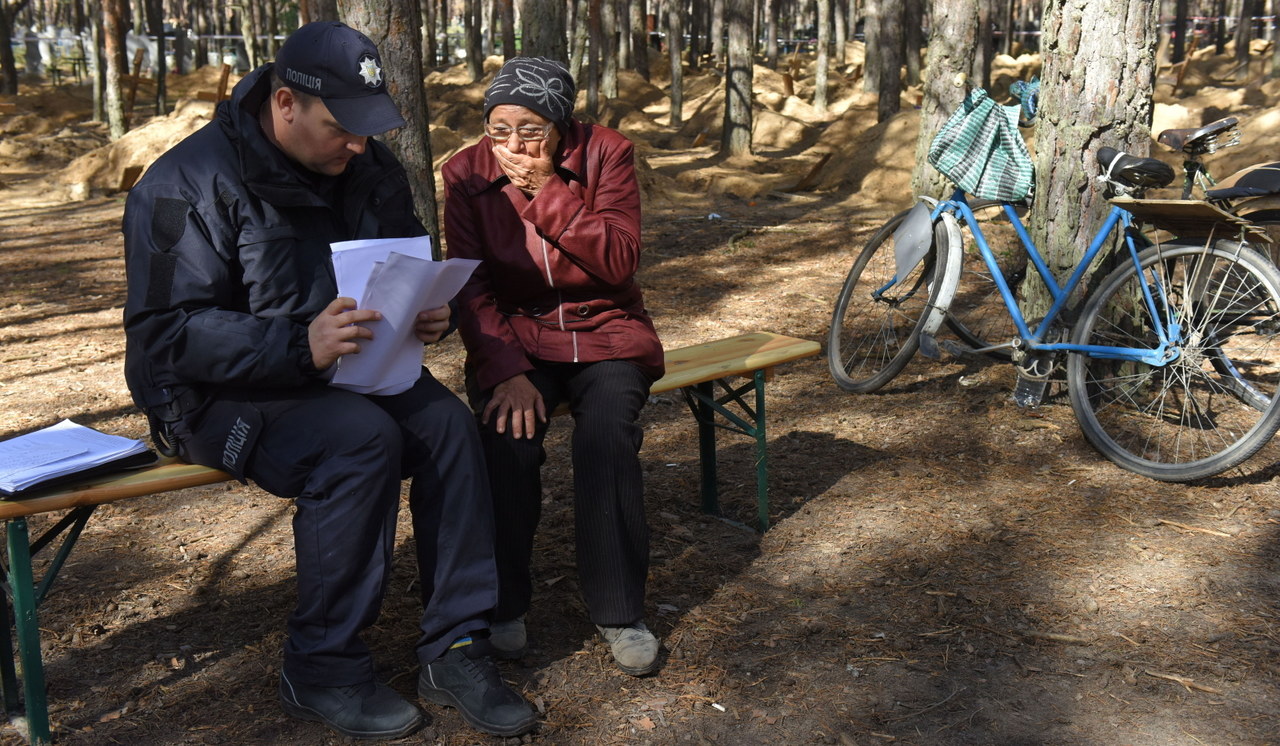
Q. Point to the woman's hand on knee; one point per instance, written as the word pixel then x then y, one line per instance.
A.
pixel 515 403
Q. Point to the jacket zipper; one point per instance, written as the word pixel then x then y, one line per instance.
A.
pixel 546 262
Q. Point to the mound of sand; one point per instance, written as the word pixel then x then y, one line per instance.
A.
pixel 861 160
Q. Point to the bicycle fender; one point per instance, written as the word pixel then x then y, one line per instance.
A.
pixel 947 228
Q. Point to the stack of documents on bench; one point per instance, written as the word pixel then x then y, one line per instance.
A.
pixel 65 452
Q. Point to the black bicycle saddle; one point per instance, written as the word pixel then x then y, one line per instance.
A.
pixel 1189 139
pixel 1133 171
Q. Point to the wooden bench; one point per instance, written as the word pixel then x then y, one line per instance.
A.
pixel 701 372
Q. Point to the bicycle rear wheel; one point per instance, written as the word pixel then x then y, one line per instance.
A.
pixel 977 314
pixel 873 334
pixel 1216 403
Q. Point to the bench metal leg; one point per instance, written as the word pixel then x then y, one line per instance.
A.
pixel 21 588
pixel 707 448
pixel 762 457
pixel 705 406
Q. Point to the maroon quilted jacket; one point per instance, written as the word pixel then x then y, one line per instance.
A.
pixel 557 282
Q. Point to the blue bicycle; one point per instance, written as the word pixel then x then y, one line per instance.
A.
pixel 1172 361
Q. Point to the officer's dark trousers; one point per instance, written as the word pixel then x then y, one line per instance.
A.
pixel 343 455
pixel 611 535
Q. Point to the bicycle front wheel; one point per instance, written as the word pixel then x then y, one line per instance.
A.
pixel 875 328
pixel 1215 403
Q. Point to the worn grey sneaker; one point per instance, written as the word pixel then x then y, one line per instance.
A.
pixel 634 647
pixel 509 639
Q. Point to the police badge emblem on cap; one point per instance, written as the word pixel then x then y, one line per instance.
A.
pixel 342 67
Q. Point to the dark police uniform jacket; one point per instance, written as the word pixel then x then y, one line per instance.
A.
pixel 228 261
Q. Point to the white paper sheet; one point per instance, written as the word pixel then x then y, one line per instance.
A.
pixel 398 284
pixel 64 448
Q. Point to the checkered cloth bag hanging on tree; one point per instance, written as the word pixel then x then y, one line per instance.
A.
pixel 980 149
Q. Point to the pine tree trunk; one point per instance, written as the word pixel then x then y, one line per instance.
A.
pixel 952 43
pixel 889 64
pixel 155 27
pixel 824 59
pixel 675 48
pixel 717 31
pixel 471 23
pixel 639 38
pixel 840 32
pixel 544 29
pixel 1094 93
pixel 913 39
pixel 735 140
pixel 981 74
pixel 430 50
pixel 1244 32
pixel 507 11
pixel 8 65
pixel 871 42
pixel 394 27
pixel 771 33
pixel 609 49
pixel 113 40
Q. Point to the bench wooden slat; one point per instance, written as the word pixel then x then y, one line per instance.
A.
pixel 169 474
pixel 733 356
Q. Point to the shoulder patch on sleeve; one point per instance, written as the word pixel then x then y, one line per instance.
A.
pixel 168 222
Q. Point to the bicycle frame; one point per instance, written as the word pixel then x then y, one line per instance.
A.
pixel 1167 329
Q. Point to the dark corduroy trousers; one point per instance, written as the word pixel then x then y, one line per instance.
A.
pixel 611 534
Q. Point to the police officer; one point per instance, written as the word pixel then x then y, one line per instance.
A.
pixel 233 329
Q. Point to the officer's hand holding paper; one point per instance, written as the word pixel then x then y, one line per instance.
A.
pixel 398 278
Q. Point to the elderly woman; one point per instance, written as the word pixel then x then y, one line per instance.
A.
pixel 552 315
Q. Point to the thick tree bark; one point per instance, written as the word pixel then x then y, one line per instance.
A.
pixel 394 26
pixel 735 140
pixel 317 10
pixel 952 45
pixel 544 29
pixel 1095 93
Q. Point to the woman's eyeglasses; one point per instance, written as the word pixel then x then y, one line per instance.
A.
pixel 528 133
